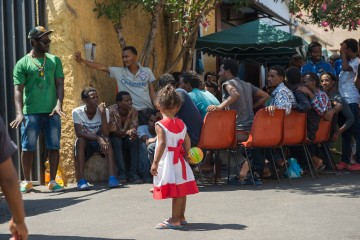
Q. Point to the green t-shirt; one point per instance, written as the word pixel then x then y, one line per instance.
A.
pixel 39 95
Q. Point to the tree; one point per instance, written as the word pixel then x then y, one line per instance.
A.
pixel 328 14
pixel 183 18
pixel 115 10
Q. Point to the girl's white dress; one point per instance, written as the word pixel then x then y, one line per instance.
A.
pixel 175 177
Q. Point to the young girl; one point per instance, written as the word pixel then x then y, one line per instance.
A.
pixel 173 177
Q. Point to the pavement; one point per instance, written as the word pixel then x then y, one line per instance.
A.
pixel 325 209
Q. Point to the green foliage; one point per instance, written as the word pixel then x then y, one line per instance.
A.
pixel 113 10
pixel 328 14
pixel 188 14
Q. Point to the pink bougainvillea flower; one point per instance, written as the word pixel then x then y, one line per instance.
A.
pixel 358 22
pixel 299 15
pixel 323 7
pixel 324 24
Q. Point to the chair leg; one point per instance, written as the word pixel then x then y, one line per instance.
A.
pixel 237 166
pixel 250 168
pixel 311 162
pixel 201 175
pixel 308 161
pixel 274 165
pixel 217 168
pixel 286 165
pixel 330 158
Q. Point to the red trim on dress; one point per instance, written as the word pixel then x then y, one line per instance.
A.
pixel 174 125
pixel 172 190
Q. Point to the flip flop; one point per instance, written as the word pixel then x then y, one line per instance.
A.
pixel 184 222
pixel 167 225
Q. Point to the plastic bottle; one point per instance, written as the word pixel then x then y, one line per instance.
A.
pixel 59 178
pixel 47 172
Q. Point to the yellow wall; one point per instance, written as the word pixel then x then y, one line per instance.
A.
pixel 74 23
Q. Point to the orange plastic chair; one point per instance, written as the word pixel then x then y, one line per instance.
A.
pixel 323 136
pixel 323 132
pixel 218 133
pixel 295 133
pixel 266 132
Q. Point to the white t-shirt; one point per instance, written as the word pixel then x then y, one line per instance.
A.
pixel 137 85
pixel 89 125
pixel 347 86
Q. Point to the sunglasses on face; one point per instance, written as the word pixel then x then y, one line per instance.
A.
pixel 45 42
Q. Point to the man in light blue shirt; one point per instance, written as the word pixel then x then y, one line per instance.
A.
pixel 315 64
pixel 190 82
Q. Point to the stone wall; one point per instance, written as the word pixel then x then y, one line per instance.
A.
pixel 74 23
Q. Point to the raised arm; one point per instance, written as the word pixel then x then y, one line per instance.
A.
pixel 344 61
pixel 94 65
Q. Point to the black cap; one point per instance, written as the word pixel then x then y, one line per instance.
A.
pixel 38 32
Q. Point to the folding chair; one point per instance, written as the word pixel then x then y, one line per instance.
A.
pixel 266 132
pixel 218 133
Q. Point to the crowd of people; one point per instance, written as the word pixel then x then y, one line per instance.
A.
pixel 146 127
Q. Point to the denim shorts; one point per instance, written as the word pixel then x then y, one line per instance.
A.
pixel 91 148
pixel 33 124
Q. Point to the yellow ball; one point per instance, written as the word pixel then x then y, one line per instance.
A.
pixel 195 155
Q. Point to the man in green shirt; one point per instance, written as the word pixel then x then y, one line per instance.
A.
pixel 39 93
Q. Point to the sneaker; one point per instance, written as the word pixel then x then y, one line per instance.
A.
pixel 354 167
pixel 113 182
pixel 25 186
pixel 83 185
pixel 55 187
pixel 341 166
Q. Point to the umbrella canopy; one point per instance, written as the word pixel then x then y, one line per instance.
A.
pixel 252 40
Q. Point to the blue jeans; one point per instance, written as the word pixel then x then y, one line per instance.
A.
pixel 119 144
pixel 354 130
pixel 151 151
pixel 144 162
pixel 33 124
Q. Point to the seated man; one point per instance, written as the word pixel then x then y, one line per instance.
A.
pixel 236 95
pixel 190 82
pixel 321 105
pixel 123 125
pixel 92 131
pixel 147 135
pixel 281 96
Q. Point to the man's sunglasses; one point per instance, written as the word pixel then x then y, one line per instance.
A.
pixel 46 42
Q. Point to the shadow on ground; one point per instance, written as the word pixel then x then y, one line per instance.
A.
pixel 202 227
pixel 344 184
pixel 47 237
pixel 39 206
